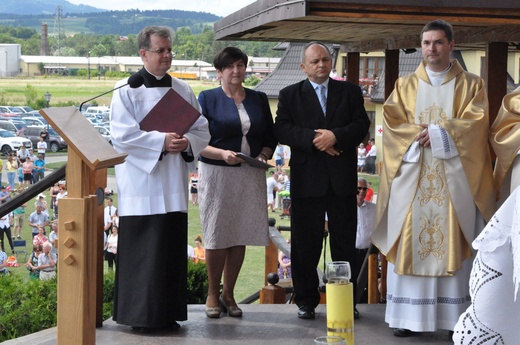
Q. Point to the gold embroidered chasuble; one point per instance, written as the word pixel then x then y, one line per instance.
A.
pixel 427 211
pixel 505 137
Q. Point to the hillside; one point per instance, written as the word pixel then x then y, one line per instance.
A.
pixel 87 19
pixel 38 7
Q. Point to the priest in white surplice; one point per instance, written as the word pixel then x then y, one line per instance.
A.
pixel 150 286
pixel 436 189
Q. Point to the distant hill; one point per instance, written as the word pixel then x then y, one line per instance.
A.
pixel 38 7
pixel 87 19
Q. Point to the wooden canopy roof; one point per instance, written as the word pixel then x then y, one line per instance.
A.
pixel 373 25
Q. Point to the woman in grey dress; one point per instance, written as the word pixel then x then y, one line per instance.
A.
pixel 232 194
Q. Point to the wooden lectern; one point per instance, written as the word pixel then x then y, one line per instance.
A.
pixel 80 257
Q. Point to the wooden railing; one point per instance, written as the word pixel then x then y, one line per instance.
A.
pixel 369 274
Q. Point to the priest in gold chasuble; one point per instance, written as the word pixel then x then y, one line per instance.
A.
pixel 436 190
pixel 505 139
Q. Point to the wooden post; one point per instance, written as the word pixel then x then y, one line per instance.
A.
pixel 271 260
pixel 272 294
pixel 384 267
pixel 353 67
pixel 373 292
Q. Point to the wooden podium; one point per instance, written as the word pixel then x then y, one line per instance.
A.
pixel 80 257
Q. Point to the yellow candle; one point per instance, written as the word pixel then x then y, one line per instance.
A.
pixel 340 311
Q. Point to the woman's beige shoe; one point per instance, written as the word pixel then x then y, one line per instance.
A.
pixel 231 311
pixel 213 313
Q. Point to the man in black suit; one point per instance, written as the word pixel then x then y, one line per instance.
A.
pixel 323 129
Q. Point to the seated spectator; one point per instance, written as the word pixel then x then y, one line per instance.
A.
pixel 40 238
pixel 32 263
pixel 3 263
pixel 199 251
pixel 370 192
pixel 111 251
pixel 47 262
pixel 191 253
pixel 284 264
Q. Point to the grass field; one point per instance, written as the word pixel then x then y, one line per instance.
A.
pixel 67 89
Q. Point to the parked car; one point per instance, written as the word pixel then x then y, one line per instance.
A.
pixel 24 108
pixel 94 121
pixel 6 109
pixel 12 125
pixel 97 110
pixel 10 142
pixel 105 132
pixel 35 113
pixel 32 133
pixel 35 121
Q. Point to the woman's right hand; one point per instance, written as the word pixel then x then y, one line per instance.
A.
pixel 230 157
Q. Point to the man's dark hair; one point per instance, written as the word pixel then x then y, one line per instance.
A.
pixel 144 40
pixel 441 25
pixel 227 56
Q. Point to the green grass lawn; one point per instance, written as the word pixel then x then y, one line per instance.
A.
pixel 75 90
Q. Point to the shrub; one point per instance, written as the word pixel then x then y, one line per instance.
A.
pixel 197 283
pixel 27 306
pixel 31 306
pixel 252 81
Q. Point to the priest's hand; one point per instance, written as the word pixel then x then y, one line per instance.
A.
pixel 424 137
pixel 174 143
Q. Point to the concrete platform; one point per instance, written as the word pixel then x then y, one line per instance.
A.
pixel 261 324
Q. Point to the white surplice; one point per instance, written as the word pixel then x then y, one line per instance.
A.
pixel 144 180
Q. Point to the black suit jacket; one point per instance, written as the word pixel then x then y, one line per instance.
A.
pixel 299 114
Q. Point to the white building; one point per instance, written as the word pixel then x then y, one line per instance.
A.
pixel 9 59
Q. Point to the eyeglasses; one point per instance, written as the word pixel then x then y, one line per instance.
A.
pixel 362 188
pixel 161 51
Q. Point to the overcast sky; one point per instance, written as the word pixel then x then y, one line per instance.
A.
pixel 218 7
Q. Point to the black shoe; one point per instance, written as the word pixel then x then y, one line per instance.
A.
pixel 174 326
pixel 402 332
pixel 142 329
pixel 356 313
pixel 306 312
